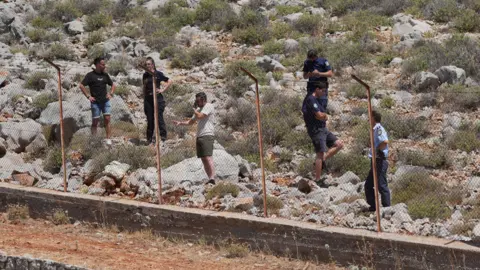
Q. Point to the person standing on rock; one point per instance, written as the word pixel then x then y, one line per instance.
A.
pixel 325 143
pixel 317 69
pixel 148 106
pixel 97 81
pixel 204 114
pixel 381 150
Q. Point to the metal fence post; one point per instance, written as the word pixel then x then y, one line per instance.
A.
pixel 260 141
pixel 62 141
pixel 157 137
pixel 372 146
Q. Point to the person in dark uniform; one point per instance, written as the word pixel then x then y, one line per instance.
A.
pixel 148 105
pixel 325 143
pixel 317 69
pixel 381 149
pixel 97 81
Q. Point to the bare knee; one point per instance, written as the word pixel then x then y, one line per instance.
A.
pixel 339 144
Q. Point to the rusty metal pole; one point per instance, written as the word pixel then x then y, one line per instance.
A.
pixel 260 141
pixel 62 141
pixel 372 146
pixel 157 137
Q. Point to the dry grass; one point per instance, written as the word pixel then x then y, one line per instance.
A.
pixel 17 212
pixel 60 217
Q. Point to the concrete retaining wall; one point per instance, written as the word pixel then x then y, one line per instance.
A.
pixel 27 263
pixel 282 237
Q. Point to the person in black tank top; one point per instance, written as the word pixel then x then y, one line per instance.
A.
pixel 148 105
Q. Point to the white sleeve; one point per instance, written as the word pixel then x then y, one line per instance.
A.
pixel 208 109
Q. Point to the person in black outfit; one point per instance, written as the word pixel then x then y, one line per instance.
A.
pixel 149 108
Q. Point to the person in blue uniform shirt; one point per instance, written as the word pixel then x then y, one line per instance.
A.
pixel 325 142
pixel 317 69
pixel 381 150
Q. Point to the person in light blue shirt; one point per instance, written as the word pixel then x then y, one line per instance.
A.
pixel 381 150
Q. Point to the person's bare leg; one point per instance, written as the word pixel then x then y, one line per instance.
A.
pixel 209 168
pixel 332 151
pixel 106 119
pixel 94 126
pixel 318 166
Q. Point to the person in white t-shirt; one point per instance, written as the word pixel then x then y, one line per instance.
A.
pixel 204 114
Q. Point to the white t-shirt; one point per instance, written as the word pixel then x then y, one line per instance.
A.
pixel 206 126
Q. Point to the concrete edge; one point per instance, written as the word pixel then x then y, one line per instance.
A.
pixel 28 263
pixel 280 236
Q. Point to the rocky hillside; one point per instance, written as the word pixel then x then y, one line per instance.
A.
pixel 421 59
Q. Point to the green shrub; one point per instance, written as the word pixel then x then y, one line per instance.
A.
pixel 93 6
pixel 436 159
pixel 170 52
pixel 273 47
pixel 284 30
pixel 60 51
pixel 232 70
pixel 277 75
pixel 53 161
pixel 356 91
pixel 349 161
pixel 467 21
pixel 422 194
pixel 298 140
pixel 464 140
pixel 283 10
pixel 136 156
pixel 65 11
pixel 214 14
pixel 305 167
pixel 248 17
pixel 85 144
pixel 459 51
pixel 237 250
pixel 200 55
pixel 34 80
pixel 460 98
pixel 251 35
pixel 172 130
pixel 97 21
pixel 247 148
pixel 42 35
pixel 183 109
pixel 161 38
pixel 95 51
pixel 274 204
pixel 60 217
pixel 362 22
pixel 117 66
pixel 125 129
pixel 181 60
pixel 17 212
pixel 41 101
pixel 94 38
pixel 129 30
pixel 403 127
pixel 238 86
pixel 122 90
pixel 349 54
pixel 387 102
pixel 444 11
pixel 222 189
pixel 19 49
pixel 241 115
pixel 178 90
pixel 45 23
pixel 308 24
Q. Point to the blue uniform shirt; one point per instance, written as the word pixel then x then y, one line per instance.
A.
pixel 379 136
pixel 309 108
pixel 321 65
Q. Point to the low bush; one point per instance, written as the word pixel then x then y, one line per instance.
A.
pixel 173 130
pixel 251 35
pixel 17 212
pixel 125 129
pixel 305 167
pixel 283 10
pixel 214 14
pixel 65 11
pixel 459 98
pixel 117 66
pixel 308 24
pixel 42 100
pixel 34 80
pixel 235 250
pixel 60 51
pixel 403 127
pixel 45 23
pixel 183 109
pixel 298 140
pixel 95 51
pixel 170 52
pixel 274 204
pixel 129 30
pixel 467 21
pixel 241 114
pixel 464 140
pixel 97 21
pixel 195 56
pixel 273 47
pixel 238 86
pixel 248 17
pixel 136 156
pixel 222 189
pixel 232 70
pixel 349 161
pixel 178 90
pixel 161 38
pixel 435 159
pixel 123 90
pixel 60 217
pixel 246 147
pixel 53 160
pixel 284 30
pixel 387 102
pixel 94 38
pixel 42 35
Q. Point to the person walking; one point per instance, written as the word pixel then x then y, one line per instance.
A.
pixel 325 142
pixel 97 81
pixel 148 106
pixel 317 69
pixel 204 114
pixel 380 138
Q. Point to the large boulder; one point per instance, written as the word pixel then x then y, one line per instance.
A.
pixel 7 16
pixel 426 81
pixel 405 24
pixel 191 170
pixel 4 54
pixel 269 64
pixel 18 135
pixel 291 46
pixel 451 75
pixel 74 27
pixel 292 18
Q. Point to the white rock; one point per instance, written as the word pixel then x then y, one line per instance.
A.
pixel 74 27
pixel 116 170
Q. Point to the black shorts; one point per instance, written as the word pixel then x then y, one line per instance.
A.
pixel 205 146
pixel 322 140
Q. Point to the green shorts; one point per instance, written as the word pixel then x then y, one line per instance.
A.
pixel 205 146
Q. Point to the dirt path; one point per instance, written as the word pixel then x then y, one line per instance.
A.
pixel 95 248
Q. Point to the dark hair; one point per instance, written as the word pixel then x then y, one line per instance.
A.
pixel 153 62
pixel 376 116
pixel 97 60
pixel 321 85
pixel 312 53
pixel 202 96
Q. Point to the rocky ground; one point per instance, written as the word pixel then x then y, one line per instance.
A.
pixel 435 180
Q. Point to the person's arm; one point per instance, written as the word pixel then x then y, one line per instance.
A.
pixel 184 123
pixel 167 85
pixel 206 111
pixel 306 74
pixel 112 90
pixel 85 92
pixel 382 145
pixel 321 116
pixel 317 73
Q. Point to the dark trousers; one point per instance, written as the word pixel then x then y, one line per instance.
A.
pixel 149 110
pixel 382 166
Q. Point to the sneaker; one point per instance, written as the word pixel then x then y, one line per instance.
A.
pixel 321 183
pixel 108 142
pixel 211 181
